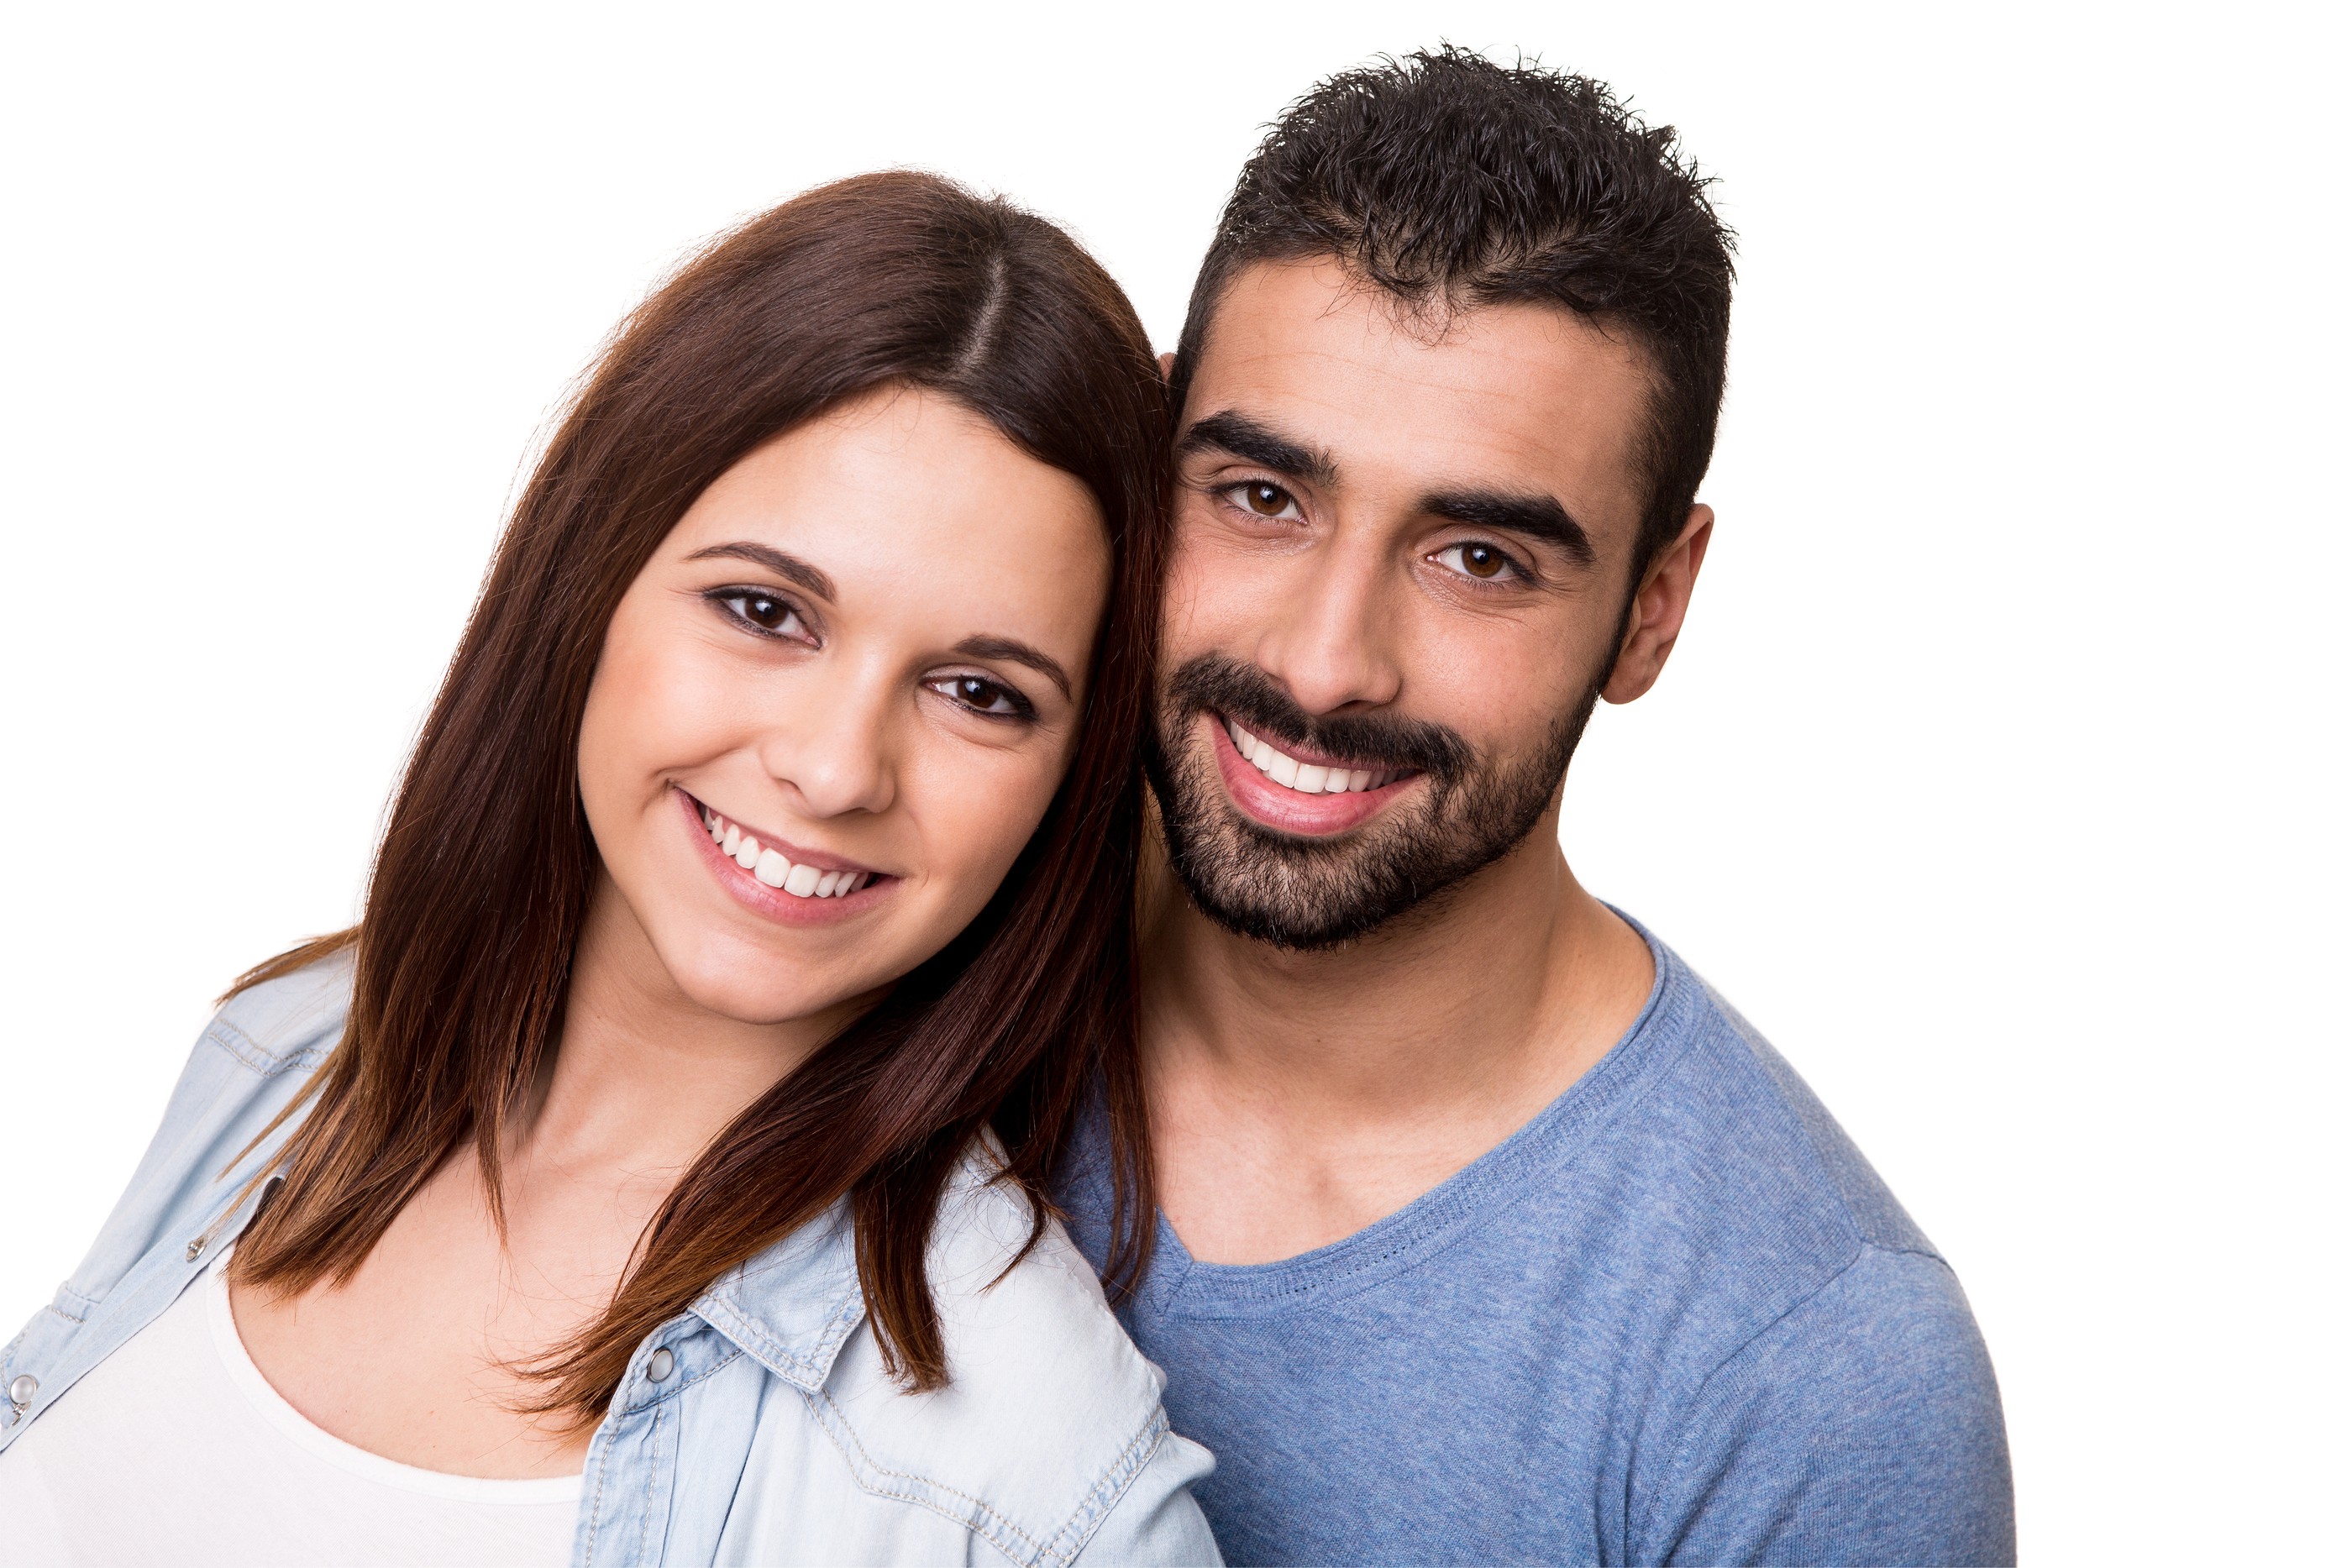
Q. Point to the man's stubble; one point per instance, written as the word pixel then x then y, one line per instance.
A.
pixel 1308 894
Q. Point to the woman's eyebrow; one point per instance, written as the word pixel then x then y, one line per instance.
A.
pixel 1043 663
pixel 791 568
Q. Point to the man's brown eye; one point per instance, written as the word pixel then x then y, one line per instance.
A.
pixel 1482 560
pixel 1266 500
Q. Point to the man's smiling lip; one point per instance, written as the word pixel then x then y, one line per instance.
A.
pixel 1312 757
pixel 1294 812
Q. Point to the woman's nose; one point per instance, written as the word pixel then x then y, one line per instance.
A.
pixel 839 754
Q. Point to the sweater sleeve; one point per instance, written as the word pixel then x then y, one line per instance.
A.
pixel 1862 1426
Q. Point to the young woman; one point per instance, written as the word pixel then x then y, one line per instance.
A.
pixel 654 1174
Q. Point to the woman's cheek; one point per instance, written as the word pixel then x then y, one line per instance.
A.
pixel 983 820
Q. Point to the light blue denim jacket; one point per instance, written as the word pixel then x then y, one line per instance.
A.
pixel 757 1426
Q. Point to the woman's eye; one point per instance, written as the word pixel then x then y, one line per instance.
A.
pixel 1483 561
pixel 764 611
pixel 984 695
pixel 1266 499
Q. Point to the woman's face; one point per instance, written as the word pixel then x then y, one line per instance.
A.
pixel 835 705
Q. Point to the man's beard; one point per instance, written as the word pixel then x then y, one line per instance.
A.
pixel 1309 893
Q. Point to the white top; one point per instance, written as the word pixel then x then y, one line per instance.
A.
pixel 175 1450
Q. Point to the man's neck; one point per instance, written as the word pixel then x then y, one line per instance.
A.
pixel 1298 1097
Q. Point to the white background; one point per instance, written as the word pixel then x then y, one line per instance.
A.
pixel 1998 777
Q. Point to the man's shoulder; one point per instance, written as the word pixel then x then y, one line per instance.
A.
pixel 1770 1103
pixel 1863 1423
pixel 1711 1119
pixel 1820 1381
pixel 1696 1179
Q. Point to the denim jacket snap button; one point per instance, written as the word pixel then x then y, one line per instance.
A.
pixel 21 1392
pixel 659 1365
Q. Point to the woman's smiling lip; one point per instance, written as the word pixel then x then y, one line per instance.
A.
pixel 796 887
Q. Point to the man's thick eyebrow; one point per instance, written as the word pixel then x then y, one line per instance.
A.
pixel 1045 663
pixel 791 568
pixel 1538 518
pixel 1239 435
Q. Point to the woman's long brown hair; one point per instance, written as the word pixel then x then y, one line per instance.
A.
pixel 464 950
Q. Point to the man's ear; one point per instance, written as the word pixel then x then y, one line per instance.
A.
pixel 1166 365
pixel 1659 605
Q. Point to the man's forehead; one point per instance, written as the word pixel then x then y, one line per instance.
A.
pixel 1345 364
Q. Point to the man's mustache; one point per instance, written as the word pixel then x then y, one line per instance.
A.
pixel 1246 695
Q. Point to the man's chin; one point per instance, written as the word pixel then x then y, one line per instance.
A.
pixel 1299 895
pixel 1244 867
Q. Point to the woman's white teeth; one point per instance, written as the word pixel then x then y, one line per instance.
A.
pixel 1304 777
pixel 772 868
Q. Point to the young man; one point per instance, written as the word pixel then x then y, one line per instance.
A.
pixel 1490 1233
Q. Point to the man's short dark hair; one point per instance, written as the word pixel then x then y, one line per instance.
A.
pixel 1452 181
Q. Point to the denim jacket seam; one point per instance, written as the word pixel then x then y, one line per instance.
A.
pixel 1098 1503
pixel 653 1472
pixel 861 1464
pixel 596 1501
pixel 253 1054
pixel 88 1304
pixel 806 1372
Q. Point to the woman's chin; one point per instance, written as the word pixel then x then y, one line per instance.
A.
pixel 726 989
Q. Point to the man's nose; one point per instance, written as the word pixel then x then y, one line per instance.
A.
pixel 1332 639
pixel 840 754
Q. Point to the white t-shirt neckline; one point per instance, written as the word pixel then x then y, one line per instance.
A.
pixel 350 1458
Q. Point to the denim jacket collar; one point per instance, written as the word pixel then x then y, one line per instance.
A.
pixel 792 1308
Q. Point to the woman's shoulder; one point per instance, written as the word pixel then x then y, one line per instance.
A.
pixel 1018 1300
pixel 252 1059
pixel 257 1052
pixel 288 1022
pixel 1051 1424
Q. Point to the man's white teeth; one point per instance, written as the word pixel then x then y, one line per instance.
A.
pixel 1305 777
pixel 772 868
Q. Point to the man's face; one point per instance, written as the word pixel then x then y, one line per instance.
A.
pixel 1402 564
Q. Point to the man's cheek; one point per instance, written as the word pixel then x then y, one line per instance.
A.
pixel 1185 608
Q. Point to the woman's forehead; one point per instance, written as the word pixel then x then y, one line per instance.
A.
pixel 905 499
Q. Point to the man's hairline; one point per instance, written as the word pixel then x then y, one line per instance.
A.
pixel 1197 314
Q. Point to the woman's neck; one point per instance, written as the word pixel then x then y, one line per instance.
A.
pixel 642 1077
